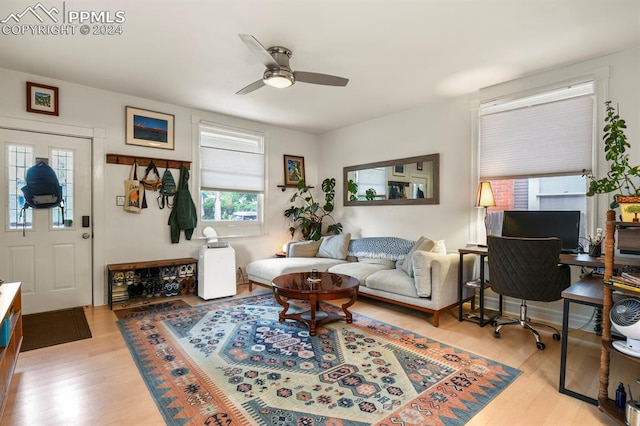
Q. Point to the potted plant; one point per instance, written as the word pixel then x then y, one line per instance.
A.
pixel 622 176
pixel 307 215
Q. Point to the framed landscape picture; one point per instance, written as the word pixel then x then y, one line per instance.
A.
pixel 149 128
pixel 42 99
pixel 293 170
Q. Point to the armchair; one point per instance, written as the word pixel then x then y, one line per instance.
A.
pixel 527 269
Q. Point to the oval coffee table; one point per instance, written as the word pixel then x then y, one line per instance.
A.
pixel 329 286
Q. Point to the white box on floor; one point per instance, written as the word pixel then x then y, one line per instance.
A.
pixel 216 271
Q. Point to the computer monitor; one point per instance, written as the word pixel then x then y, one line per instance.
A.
pixel 563 224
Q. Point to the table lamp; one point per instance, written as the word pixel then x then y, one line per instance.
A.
pixel 485 199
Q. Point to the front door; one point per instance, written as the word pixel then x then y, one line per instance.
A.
pixel 50 253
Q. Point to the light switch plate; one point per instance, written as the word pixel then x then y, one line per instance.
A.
pixel 119 200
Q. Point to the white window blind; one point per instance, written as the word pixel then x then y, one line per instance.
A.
pixel 231 159
pixel 550 134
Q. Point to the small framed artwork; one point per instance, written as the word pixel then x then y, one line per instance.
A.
pixel 42 99
pixel 293 170
pixel 149 128
pixel 398 170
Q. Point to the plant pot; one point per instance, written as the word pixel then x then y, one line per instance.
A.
pixel 629 208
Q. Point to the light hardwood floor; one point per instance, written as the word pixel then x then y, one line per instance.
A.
pixel 96 382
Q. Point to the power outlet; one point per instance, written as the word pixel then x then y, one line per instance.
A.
pixel 241 276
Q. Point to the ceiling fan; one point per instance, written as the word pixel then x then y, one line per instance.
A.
pixel 278 74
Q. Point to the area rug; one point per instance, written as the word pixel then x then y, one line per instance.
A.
pixel 54 328
pixel 141 310
pixel 232 363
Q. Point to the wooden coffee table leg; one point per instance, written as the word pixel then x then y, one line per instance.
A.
pixel 282 302
pixel 348 316
pixel 314 304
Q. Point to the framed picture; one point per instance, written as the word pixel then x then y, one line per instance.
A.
pixel 398 170
pixel 149 128
pixel 293 170
pixel 42 99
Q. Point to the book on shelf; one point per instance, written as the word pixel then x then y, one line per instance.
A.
pixel 624 285
pixel 623 280
pixel 630 277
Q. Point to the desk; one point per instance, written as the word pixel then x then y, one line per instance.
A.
pixel 587 291
pixel 481 318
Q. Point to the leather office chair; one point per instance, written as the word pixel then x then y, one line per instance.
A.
pixel 527 269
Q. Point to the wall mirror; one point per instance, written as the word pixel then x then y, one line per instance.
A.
pixel 405 181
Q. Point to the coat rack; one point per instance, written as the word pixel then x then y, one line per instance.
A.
pixel 144 161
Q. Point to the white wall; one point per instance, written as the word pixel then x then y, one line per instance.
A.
pixel 127 237
pixel 443 129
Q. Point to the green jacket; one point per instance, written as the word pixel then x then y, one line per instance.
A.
pixel 183 215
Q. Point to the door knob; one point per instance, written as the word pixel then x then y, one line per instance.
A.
pixel 86 235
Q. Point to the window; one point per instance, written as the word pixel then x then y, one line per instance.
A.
pixel 534 149
pixel 62 163
pixel 21 158
pixel 232 175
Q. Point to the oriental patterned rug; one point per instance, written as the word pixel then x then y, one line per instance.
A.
pixel 232 363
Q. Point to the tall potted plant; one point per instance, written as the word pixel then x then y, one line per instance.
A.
pixel 622 177
pixel 308 215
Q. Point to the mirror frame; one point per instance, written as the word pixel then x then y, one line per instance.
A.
pixel 435 158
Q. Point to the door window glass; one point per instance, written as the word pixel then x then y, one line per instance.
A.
pixel 62 164
pixel 19 158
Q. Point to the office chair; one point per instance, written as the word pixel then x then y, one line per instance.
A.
pixel 527 269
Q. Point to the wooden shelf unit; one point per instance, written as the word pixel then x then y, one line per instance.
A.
pixel 10 311
pixel 187 283
pixel 606 404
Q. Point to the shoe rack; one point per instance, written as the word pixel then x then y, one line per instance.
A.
pixel 135 281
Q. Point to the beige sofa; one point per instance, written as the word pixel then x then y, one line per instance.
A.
pixel 416 274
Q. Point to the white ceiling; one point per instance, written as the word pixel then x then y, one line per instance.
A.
pixel 398 54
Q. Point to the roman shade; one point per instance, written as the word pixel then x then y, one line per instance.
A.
pixel 549 134
pixel 231 159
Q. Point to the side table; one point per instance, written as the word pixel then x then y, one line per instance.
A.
pixel 482 317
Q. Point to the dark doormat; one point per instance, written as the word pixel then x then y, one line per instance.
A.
pixel 137 311
pixel 53 328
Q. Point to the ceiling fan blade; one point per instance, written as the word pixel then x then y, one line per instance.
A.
pixel 316 78
pixel 259 50
pixel 250 88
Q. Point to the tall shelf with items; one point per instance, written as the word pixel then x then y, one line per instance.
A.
pixel 605 403
pixel 10 336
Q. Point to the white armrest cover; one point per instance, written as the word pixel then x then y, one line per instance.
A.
pixel 436 275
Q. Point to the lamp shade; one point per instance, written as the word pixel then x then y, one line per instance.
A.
pixel 485 195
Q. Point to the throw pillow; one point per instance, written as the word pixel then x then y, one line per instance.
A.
pixel 304 249
pixel 424 244
pixel 334 246
pixel 439 247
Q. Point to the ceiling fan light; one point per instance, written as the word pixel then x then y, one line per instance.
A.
pixel 278 82
pixel 279 79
